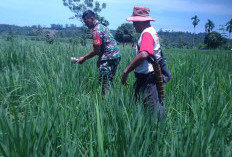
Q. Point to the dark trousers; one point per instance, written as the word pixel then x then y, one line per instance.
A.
pixel 145 88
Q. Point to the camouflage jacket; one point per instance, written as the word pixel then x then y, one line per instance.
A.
pixel 102 37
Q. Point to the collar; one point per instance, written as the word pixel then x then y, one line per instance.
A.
pixel 145 29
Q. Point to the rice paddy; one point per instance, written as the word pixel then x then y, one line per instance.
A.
pixel 50 107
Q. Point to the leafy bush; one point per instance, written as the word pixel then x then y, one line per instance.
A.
pixel 214 40
pixel 124 33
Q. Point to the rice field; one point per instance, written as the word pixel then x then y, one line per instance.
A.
pixel 50 107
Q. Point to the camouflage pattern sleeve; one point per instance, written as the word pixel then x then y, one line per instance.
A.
pixel 96 38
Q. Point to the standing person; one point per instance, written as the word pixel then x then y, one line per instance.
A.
pixel 148 45
pixel 105 46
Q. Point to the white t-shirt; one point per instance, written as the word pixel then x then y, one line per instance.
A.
pixel 146 67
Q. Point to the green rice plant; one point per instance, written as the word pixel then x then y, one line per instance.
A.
pixel 50 107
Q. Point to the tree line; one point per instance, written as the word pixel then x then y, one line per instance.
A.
pixel 125 34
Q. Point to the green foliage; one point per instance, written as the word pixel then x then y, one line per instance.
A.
pixel 195 22
pixel 4 29
pixel 126 33
pixel 180 39
pixel 56 26
pixel 80 6
pixel 39 31
pixel 209 26
pixel 229 27
pixel 50 107
pixel 214 40
pixel 102 20
pixel 202 46
pixel 10 36
pixel 49 39
pixel 169 39
pixel 74 41
pixel 85 35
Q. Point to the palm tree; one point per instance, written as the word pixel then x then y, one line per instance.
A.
pixel 195 23
pixel 196 20
pixel 209 26
pixel 229 27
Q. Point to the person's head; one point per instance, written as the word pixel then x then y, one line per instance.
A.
pixel 140 18
pixel 89 18
pixel 141 25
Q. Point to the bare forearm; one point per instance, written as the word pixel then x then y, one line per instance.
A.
pixel 94 52
pixel 90 54
pixel 138 60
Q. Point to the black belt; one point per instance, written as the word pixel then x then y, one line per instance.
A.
pixel 144 76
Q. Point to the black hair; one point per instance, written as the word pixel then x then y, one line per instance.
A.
pixel 88 14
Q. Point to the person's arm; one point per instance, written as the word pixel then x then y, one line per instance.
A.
pixel 139 59
pixel 97 42
pixel 96 51
pixel 146 49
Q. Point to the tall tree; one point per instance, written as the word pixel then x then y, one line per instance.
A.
pixel 229 27
pixel 78 7
pixel 209 26
pixel 125 33
pixel 195 22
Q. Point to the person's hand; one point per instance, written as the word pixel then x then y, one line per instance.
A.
pixel 81 60
pixel 124 78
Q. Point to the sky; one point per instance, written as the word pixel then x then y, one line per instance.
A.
pixel 173 15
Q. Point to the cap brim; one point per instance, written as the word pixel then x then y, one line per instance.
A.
pixel 139 18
